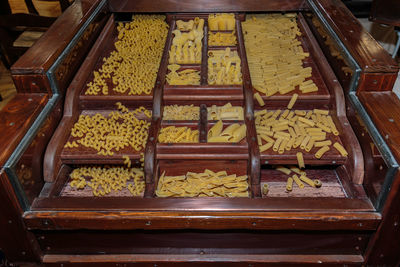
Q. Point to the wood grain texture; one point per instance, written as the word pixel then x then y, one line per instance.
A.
pixel 202 260
pixel 16 118
pixel 383 249
pixel 205 6
pixel 384 109
pixel 370 56
pixel 129 220
pixel 15 241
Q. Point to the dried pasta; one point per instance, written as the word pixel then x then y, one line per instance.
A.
pixel 275 55
pixel 177 112
pixel 224 67
pixel 206 184
pixel 221 22
pixel 222 38
pixel 173 134
pixel 225 112
pixel 110 134
pixel 132 67
pixel 299 177
pixel 183 77
pixel 284 130
pixel 104 180
pixel 234 133
pixel 186 46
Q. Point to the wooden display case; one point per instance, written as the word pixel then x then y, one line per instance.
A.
pixel 346 221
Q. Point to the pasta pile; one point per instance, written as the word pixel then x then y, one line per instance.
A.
pixel 224 67
pixel 226 112
pixel 186 47
pixel 206 184
pixel 132 67
pixel 177 112
pixel 234 133
pixel 112 133
pixel 299 177
pixel 172 134
pixel 221 22
pixel 299 128
pixel 183 77
pixel 275 55
pixel 104 180
pixel 222 38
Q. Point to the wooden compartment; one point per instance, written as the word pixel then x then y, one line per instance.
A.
pixel 318 99
pixel 204 92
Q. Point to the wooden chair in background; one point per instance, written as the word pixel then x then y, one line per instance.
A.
pixel 387 12
pixel 22 22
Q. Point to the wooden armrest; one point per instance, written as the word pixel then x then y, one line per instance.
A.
pixel 15 120
pixel 368 53
pixel 384 109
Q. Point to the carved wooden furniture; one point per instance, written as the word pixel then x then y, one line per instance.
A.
pixel 348 221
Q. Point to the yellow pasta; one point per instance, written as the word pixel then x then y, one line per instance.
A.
pixel 132 67
pixel 174 134
pixel 104 180
pixel 226 112
pixel 222 38
pixel 300 159
pixel 289 184
pixel 224 67
pixel 221 22
pixel 297 181
pixel 321 152
pixel 177 112
pixel 275 54
pixel 233 133
pixel 265 189
pixel 206 184
pixel 109 134
pixel 283 169
pixel 292 101
pixel 216 130
pixel 341 149
pixel 183 77
pixel 259 99
pixel 307 180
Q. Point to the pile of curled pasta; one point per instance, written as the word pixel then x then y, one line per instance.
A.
pixel 109 134
pixel 132 67
pixel 234 133
pixel 183 77
pixel 224 67
pixel 186 46
pixel 104 180
pixel 275 55
pixel 206 184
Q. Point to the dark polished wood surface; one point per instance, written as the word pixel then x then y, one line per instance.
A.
pixel 332 229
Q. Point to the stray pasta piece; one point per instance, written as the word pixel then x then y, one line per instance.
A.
pixel 292 101
pixel 341 149
pixel 300 159
pixel 206 184
pixel 259 99
pixel 132 67
pixel 275 54
pixel 295 178
pixel 177 112
pixel 104 180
